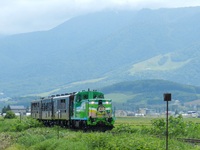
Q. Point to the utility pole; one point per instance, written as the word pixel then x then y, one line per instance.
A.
pixel 167 98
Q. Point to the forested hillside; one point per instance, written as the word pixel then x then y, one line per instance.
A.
pixel 149 93
pixel 100 49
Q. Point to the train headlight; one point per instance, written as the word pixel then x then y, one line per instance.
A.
pixel 107 102
pixel 92 102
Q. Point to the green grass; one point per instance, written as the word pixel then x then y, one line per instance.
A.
pixel 47 139
pixel 134 120
pixel 195 120
pixel 129 133
pixel 146 120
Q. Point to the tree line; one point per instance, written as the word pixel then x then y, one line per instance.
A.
pixel 5 109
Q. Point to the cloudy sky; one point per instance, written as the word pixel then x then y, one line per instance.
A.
pixel 18 16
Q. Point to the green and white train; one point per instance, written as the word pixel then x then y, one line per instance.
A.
pixel 83 110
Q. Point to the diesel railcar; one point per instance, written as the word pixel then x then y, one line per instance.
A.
pixel 84 109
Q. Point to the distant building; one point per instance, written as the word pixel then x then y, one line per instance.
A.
pixel 120 113
pixel 144 111
pixel 193 114
pixel 18 110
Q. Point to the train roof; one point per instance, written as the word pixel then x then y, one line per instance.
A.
pixel 57 96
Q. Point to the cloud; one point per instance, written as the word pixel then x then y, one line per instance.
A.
pixel 32 15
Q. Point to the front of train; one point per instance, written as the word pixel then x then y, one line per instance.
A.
pixel 100 112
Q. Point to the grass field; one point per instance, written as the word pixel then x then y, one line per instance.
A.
pixel 134 120
pixel 130 133
pixel 145 120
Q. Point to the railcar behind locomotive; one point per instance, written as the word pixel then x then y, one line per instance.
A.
pixel 84 109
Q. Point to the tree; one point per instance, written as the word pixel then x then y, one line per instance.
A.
pixel 4 110
pixel 9 115
pixel 8 108
pixel 176 112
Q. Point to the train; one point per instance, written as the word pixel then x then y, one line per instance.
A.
pixel 86 109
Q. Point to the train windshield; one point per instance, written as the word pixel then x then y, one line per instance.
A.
pixel 100 108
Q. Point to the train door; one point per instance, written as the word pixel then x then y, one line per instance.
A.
pixel 52 109
pixel 40 109
pixel 71 106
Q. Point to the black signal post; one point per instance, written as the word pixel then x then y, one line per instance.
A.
pixel 167 98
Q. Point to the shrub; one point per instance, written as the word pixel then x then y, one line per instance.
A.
pixel 9 115
pixel 124 128
pixel 177 127
pixel 16 125
pixel 25 124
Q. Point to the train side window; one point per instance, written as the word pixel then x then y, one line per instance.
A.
pixel 49 106
pixel 85 97
pixel 62 101
pixel 101 96
pixel 78 98
pixel 42 106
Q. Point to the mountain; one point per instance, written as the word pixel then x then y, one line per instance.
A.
pixel 131 95
pixel 44 60
pixel 101 49
pixel 149 93
pixel 180 66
